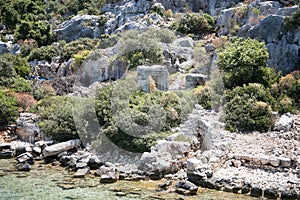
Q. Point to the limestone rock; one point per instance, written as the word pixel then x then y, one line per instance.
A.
pixel 80 173
pixel 55 149
pixel 188 186
pixel 27 127
pixel 77 27
pixel 25 158
pixel 285 123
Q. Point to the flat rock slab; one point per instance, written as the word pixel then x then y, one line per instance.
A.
pixel 55 149
pixel 81 173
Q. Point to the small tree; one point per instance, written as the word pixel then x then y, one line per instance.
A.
pixel 8 109
pixel 245 61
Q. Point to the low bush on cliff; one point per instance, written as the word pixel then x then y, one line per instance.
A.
pixel 139 48
pixel 244 61
pixel 56 118
pixel 248 108
pixel 194 23
pixel 8 108
pixel 134 120
pixel 292 22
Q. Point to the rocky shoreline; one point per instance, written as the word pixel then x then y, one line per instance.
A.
pixel 256 164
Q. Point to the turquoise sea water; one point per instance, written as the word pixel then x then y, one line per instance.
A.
pixel 54 182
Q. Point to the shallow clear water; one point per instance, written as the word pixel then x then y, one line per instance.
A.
pixel 49 182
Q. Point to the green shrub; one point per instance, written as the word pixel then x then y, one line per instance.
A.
pixel 248 108
pixel 8 109
pixel 16 84
pixel 157 9
pixel 194 23
pixel 43 90
pixel 139 48
pixel 123 111
pixel 6 66
pixel 292 22
pixel 43 53
pixel 244 61
pixel 56 118
pixel 71 48
pixel 108 41
pixel 37 30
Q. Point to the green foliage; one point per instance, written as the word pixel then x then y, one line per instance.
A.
pixel 287 91
pixel 69 49
pixel 134 120
pixel 43 90
pixel 37 30
pixel 108 40
pixel 56 118
pixel 248 108
pixel 244 61
pixel 292 22
pixel 139 48
pixel 157 9
pixel 8 109
pixel 6 66
pixel 194 23
pixel 16 84
pixel 43 53
pixel 81 56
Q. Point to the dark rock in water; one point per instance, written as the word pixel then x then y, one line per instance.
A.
pixel 5 146
pixel 55 149
pixel 256 192
pixel 236 189
pixel 94 163
pixel 20 150
pixel 25 158
pixel 81 173
pixel 289 195
pixel 186 185
pixel 246 189
pixel 164 185
pixel 270 193
pixel 6 154
pixel 23 167
pixel 109 177
pixel 155 176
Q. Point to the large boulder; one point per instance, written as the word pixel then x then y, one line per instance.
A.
pixel 77 27
pixel 269 29
pixel 285 123
pixel 55 149
pixel 27 127
pixel 165 157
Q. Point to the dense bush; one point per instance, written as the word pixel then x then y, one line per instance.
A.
pixel 248 108
pixel 245 61
pixel 8 109
pixel 56 118
pixel 194 23
pixel 69 49
pixel 16 84
pixel 43 53
pixel 287 92
pixel 139 48
pixel 134 120
pixel 43 90
pixel 40 31
pixel 292 22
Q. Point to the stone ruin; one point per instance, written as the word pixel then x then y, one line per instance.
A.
pixel 194 80
pixel 159 74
